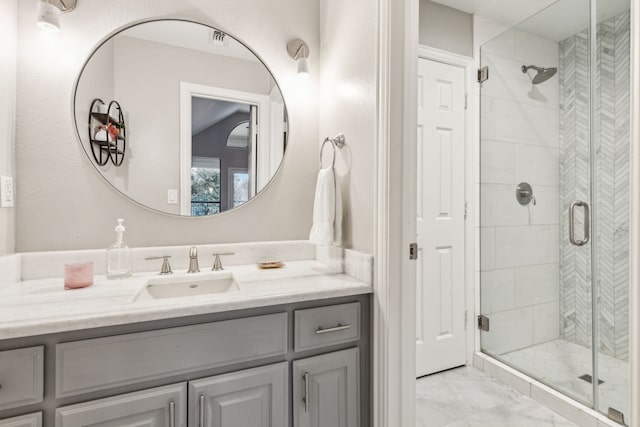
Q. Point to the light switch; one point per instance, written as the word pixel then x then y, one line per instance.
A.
pixel 172 197
pixel 6 192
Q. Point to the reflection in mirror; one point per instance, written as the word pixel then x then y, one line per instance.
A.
pixel 206 122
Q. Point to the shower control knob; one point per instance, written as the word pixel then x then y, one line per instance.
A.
pixel 524 194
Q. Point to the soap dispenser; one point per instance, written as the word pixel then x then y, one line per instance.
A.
pixel 119 257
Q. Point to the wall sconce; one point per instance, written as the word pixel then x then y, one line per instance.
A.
pixel 49 12
pixel 299 51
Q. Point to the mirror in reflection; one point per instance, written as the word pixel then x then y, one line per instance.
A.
pixel 205 119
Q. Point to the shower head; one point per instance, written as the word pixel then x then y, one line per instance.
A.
pixel 543 74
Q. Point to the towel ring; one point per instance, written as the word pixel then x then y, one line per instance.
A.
pixel 338 142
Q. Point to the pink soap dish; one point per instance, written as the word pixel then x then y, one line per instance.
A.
pixel 79 275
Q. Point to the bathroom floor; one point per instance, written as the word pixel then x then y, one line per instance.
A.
pixel 560 363
pixel 468 397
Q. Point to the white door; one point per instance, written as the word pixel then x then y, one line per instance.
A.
pixel 440 298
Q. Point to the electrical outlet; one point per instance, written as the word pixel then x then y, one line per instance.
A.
pixel 172 197
pixel 6 192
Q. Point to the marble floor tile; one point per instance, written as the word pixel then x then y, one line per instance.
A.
pixel 559 363
pixel 468 397
pixel 520 412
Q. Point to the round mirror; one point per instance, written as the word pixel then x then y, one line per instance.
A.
pixel 168 112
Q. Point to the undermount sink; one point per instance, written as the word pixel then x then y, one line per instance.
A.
pixel 186 285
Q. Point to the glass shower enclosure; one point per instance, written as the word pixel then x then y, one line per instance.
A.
pixel 554 200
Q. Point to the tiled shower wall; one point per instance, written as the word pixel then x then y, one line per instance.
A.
pixel 519 244
pixel 611 178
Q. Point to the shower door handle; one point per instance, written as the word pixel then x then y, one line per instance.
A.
pixel 572 209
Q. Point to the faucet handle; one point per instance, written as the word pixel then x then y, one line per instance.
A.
pixel 217 264
pixel 166 267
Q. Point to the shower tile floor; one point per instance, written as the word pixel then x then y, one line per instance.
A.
pixel 560 363
pixel 467 397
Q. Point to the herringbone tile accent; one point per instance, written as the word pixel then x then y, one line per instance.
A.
pixel 609 195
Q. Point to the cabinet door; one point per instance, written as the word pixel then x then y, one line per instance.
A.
pixel 31 420
pixel 156 407
pixel 326 391
pixel 251 398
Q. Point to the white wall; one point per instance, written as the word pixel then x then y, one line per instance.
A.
pixel 519 251
pixel 8 35
pixel 64 204
pixel 348 104
pixel 445 28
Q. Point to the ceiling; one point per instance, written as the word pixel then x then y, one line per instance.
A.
pixel 191 36
pixel 508 12
pixel 206 112
pixel 552 19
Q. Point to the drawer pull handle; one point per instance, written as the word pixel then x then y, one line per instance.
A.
pixel 305 398
pixel 340 327
pixel 172 414
pixel 201 411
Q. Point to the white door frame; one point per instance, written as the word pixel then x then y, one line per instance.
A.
pixel 466 63
pixel 634 216
pixel 187 91
pixel 394 275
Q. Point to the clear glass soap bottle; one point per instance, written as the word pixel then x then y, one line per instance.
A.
pixel 119 256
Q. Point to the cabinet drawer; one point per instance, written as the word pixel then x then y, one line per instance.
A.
pixel 30 420
pixel 322 326
pixel 21 377
pixel 97 364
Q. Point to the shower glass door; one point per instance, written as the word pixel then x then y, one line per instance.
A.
pixel 554 199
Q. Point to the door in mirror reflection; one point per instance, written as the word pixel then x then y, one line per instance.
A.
pixel 223 144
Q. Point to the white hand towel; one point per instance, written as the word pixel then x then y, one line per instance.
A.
pixel 327 210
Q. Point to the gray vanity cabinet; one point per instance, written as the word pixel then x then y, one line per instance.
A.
pixel 304 364
pixel 255 397
pixel 157 407
pixel 326 390
pixel 21 377
pixel 30 420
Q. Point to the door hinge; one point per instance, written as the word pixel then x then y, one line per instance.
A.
pixel 466 319
pixel 483 74
pixel 483 323
pixel 413 251
pixel 466 101
pixel 616 416
pixel 466 209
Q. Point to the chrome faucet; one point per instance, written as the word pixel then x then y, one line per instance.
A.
pixel 193 260
pixel 166 267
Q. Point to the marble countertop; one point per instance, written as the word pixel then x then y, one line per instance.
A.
pixel 37 307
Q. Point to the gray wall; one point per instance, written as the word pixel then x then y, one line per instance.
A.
pixel 445 28
pixel 64 204
pixel 348 105
pixel 8 36
pixel 212 142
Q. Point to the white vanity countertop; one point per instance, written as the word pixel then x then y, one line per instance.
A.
pixel 36 307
